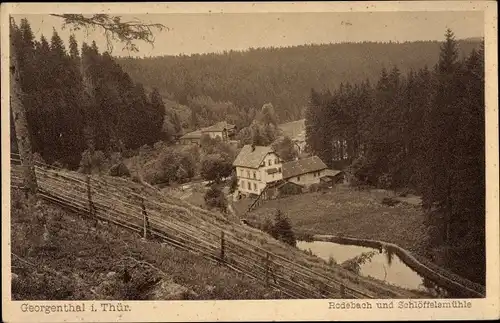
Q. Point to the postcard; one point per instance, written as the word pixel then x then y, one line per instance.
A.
pixel 264 161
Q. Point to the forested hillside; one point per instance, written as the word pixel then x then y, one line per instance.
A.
pixel 233 85
pixel 421 130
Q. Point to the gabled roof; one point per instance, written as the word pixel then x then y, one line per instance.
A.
pixel 252 158
pixel 302 166
pixel 192 135
pixel 219 126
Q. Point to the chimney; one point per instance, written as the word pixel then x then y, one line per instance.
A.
pixel 253 147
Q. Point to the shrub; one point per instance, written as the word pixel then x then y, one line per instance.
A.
pixel 172 165
pixel 214 167
pixel 92 163
pixel 267 226
pixel 385 181
pixel 331 261
pixel 57 164
pixel 390 201
pixel 38 158
pixel 290 189
pixel 119 169
pixel 158 145
pixel 145 149
pixel 304 236
pixel 281 229
pixel 234 183
pixel 354 264
pixel 362 172
pixel 214 197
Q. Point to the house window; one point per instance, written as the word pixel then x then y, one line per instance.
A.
pixel 298 178
pixel 254 175
pixel 254 186
pixel 248 174
pixel 242 185
pixel 249 185
pixel 276 161
pixel 269 162
pixel 279 170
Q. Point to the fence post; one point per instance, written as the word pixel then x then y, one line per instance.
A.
pixel 89 196
pixel 267 268
pixel 145 217
pixel 222 246
pixel 342 291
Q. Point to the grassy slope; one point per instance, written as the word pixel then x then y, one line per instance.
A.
pixel 352 213
pixel 214 222
pixel 75 260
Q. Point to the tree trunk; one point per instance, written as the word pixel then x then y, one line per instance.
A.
pixel 21 124
pixel 88 90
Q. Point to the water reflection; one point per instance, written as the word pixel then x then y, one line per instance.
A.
pixel 382 264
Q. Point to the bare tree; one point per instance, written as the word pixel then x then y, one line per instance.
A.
pixel 126 32
pixel 20 120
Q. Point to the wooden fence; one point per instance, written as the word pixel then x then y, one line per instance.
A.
pixel 170 220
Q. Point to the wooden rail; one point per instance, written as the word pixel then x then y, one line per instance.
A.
pixel 192 229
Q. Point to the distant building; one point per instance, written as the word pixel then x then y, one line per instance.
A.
pixel 191 138
pixel 256 167
pixel 304 172
pixel 222 129
pixel 296 131
pixel 225 131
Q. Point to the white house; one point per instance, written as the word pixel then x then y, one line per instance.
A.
pixel 256 167
pixel 305 172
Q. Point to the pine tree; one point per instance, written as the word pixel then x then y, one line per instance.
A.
pixel 282 229
pixel 442 132
pixel 159 117
pixel 73 47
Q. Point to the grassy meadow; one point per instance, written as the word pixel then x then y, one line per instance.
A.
pixel 345 211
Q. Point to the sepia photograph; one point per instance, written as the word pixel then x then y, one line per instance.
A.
pixel 205 155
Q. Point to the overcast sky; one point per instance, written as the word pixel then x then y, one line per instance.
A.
pixel 204 33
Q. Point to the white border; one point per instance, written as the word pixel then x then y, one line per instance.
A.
pixel 291 310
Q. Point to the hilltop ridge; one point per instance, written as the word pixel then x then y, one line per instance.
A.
pixel 281 76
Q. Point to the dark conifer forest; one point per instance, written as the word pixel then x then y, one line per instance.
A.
pixel 121 116
pixel 423 131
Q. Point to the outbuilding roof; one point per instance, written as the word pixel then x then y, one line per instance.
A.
pixel 332 172
pixel 218 127
pixel 192 135
pixel 302 166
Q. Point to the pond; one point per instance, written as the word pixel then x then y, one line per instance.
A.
pixel 379 264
